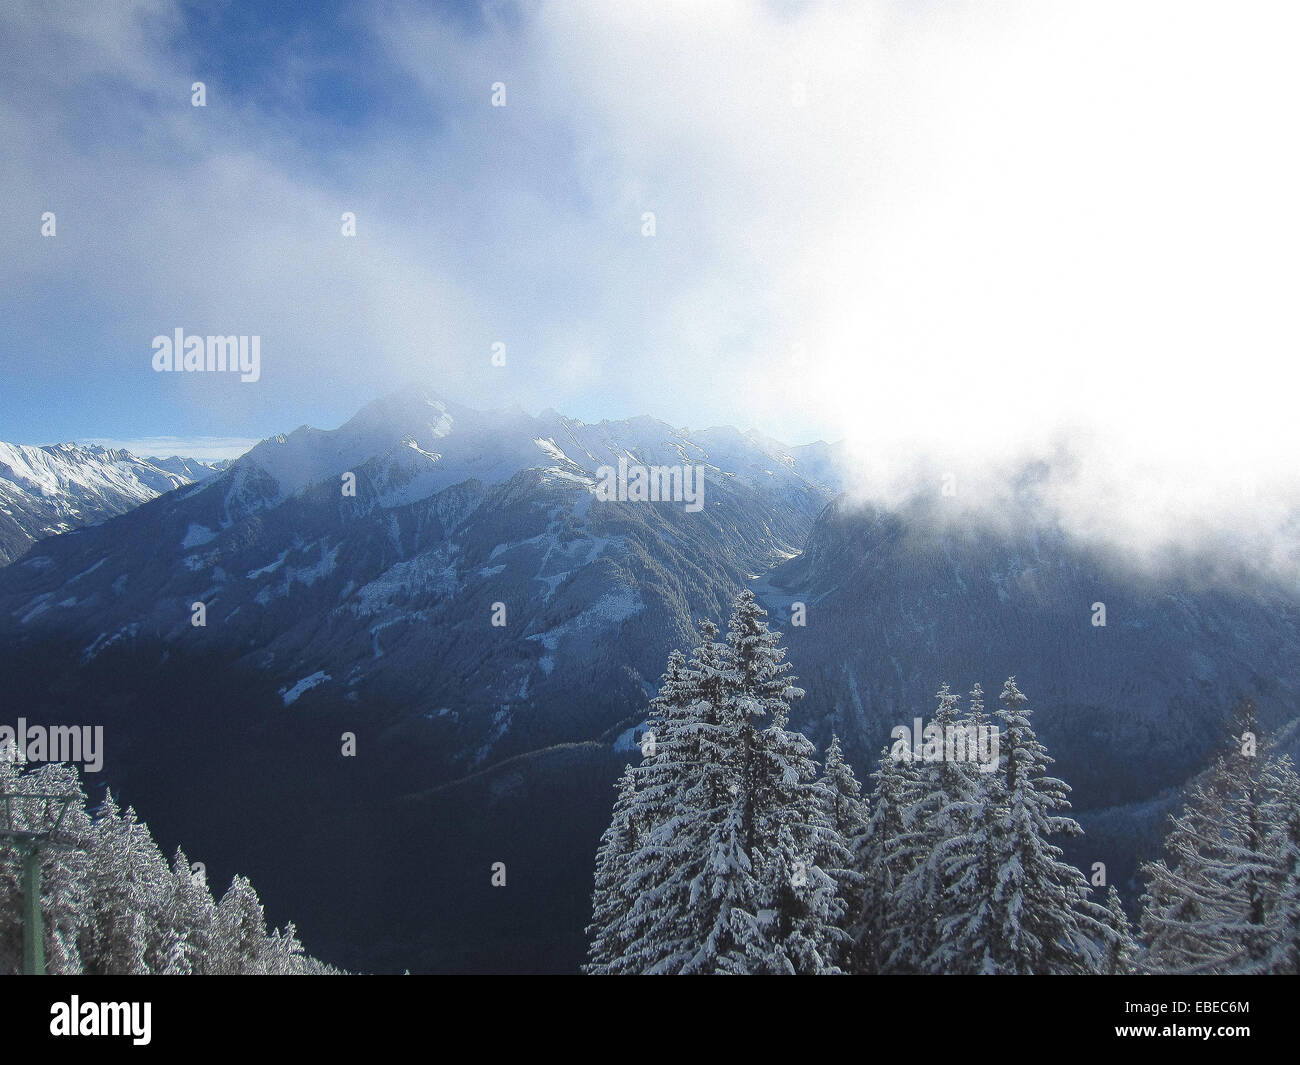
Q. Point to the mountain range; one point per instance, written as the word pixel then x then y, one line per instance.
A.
pixel 390 592
pixel 54 489
pixel 445 585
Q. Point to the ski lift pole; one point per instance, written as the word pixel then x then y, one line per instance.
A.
pixel 33 919
pixel 29 845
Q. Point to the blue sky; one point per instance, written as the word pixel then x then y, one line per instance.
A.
pixel 925 228
pixel 476 225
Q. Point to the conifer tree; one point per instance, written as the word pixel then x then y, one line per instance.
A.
pixel 127 932
pixel 670 783
pixel 241 930
pixel 969 859
pixel 1284 916
pixel 941 816
pixel 847 812
pixel 609 930
pixel 732 803
pixel 724 876
pixel 1121 947
pixel 284 954
pixel 1208 904
pixel 193 918
pixel 896 788
pixel 780 812
pixel 1040 904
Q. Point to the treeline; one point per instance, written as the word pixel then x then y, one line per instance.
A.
pixel 728 852
pixel 113 905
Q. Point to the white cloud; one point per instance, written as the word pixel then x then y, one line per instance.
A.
pixel 986 226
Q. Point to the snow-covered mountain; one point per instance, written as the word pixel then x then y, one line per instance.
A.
pixel 389 593
pixel 373 613
pixel 192 470
pixel 49 490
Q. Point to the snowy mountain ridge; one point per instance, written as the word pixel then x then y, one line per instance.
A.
pixel 53 489
pixel 430 443
pixel 303 571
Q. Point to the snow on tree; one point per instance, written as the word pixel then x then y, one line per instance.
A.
pixel 1283 815
pixel 727 928
pixel 895 790
pixel 848 814
pixel 192 916
pixel 241 929
pixel 1039 919
pixel 127 932
pixel 610 905
pixel 672 789
pixel 966 853
pixel 1182 899
pixel 780 817
pixel 724 876
pixel 1121 947
pixel 112 905
pixel 728 853
pixel 972 923
pixel 933 825
pixel 1210 905
pixel 283 954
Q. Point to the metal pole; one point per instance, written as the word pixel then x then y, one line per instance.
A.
pixel 33 922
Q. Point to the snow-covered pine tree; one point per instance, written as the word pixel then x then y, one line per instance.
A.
pixel 680 786
pixel 973 918
pixel 284 954
pixel 608 931
pixel 780 814
pixel 724 876
pixel 1040 904
pixel 192 918
pixel 128 931
pixel 1182 899
pixel 1284 817
pixel 967 855
pixel 723 895
pixel 1251 869
pixel 848 813
pixel 1207 906
pixel 932 825
pixel 896 787
pixel 673 785
pixel 241 930
pixel 1121 947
